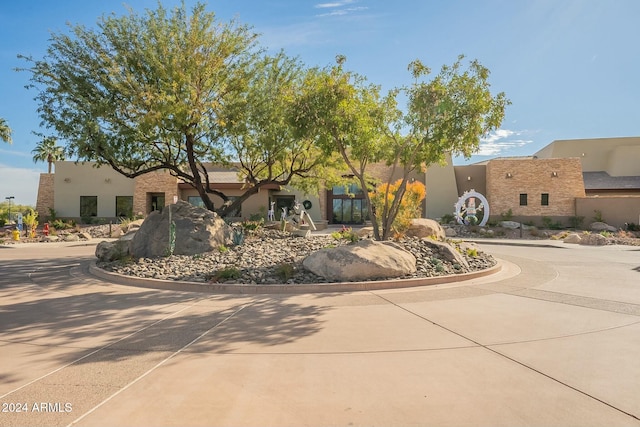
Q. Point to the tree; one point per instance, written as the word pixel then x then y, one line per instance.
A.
pixel 447 114
pixel 163 91
pixel 47 151
pixel 5 131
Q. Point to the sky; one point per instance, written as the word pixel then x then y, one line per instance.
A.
pixel 569 67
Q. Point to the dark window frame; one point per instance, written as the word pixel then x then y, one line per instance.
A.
pixel 544 199
pixel 88 206
pixel 523 199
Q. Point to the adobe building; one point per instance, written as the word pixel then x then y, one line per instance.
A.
pixel 565 180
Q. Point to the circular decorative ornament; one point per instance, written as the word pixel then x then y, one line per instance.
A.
pixel 307 204
pixel 467 210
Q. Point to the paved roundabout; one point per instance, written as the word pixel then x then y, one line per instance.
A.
pixel 551 339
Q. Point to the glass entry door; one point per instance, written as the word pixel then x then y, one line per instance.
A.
pixel 349 211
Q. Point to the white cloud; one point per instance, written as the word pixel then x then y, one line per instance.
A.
pixel 334 4
pixel 21 183
pixel 339 9
pixel 501 141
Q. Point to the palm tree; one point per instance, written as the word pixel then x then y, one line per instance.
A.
pixel 5 131
pixel 47 151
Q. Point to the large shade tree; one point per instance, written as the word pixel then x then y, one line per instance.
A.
pixel 445 114
pixel 165 91
pixel 5 131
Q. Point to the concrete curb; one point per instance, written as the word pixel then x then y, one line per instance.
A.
pixel 221 288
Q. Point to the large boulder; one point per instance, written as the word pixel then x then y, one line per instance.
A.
pixel 513 225
pixel 573 238
pixel 198 230
pixel 448 252
pixel 602 226
pixel 364 260
pixel 424 227
pixel 112 251
pixel 593 240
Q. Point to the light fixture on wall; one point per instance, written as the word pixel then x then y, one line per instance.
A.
pixel 468 178
pixel 509 175
pixel 554 174
pixel 107 180
pixel 67 180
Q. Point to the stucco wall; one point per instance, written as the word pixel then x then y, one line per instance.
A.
pixel 508 178
pixel 73 180
pixel 617 156
pixel 442 194
pixel 615 210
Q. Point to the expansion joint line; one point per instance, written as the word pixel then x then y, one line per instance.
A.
pixel 524 365
pixel 159 364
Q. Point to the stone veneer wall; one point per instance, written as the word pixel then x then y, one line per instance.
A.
pixel 153 182
pixel 534 177
pixel 45 195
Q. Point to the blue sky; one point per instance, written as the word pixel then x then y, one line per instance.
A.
pixel 570 67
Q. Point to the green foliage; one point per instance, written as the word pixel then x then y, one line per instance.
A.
pixel 222 249
pixel 5 131
pixel 253 225
pixel 60 224
pixel 53 215
pixel 447 219
pixel 346 233
pixel 284 271
pixel 47 151
pixel 30 221
pixel 437 263
pixel 472 252
pixel 597 215
pixel 606 233
pixel 576 221
pixel 229 273
pixel 237 236
pixel 507 216
pixel 446 114
pixel 632 227
pixel 548 223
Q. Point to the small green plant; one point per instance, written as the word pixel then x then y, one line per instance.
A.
pixel 237 236
pixel 472 252
pixel 606 233
pixel 53 215
pixel 197 256
pixel 229 273
pixel 222 249
pixel 507 216
pixel 253 225
pixel 630 226
pixel 597 215
pixel 284 271
pixel 447 219
pixel 345 234
pixel 437 264
pixel 550 224
pixel 576 221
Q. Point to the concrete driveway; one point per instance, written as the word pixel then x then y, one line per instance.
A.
pixel 553 339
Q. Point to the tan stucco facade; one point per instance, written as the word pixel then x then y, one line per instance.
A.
pixel 73 180
pixel 442 192
pixel 617 156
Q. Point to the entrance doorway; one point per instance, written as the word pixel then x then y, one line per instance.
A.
pixel 349 211
pixel 155 201
pixel 283 202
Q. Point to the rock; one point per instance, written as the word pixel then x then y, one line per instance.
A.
pixel 364 260
pixel 365 232
pixel 424 227
pixel 448 252
pixel 572 238
pixel 450 232
pixel 116 232
pixel 509 224
pixel 85 236
pixel 51 238
pixel 133 225
pixel 602 226
pixel 71 238
pixel 198 230
pixel 112 251
pixel 593 240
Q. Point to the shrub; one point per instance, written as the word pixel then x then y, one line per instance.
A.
pixel 507 216
pixel 597 215
pixel 472 252
pixel 222 249
pixel 228 273
pixel 632 227
pixel 447 219
pixel 410 205
pixel 285 271
pixel 576 221
pixel 347 234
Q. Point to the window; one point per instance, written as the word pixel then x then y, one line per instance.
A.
pixel 124 206
pixel 523 199
pixel 196 201
pixel 88 206
pixel 544 199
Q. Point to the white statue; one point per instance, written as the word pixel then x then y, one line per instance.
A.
pixel 298 217
pixel 271 213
